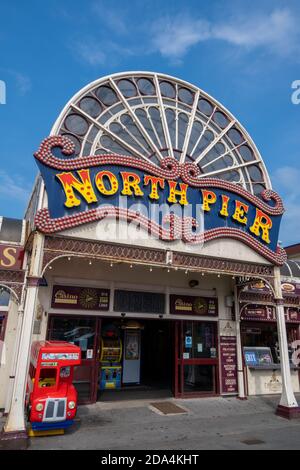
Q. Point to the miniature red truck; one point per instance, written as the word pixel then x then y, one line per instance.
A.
pixel 51 397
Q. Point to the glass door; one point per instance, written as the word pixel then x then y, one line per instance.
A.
pixel 83 332
pixel 196 359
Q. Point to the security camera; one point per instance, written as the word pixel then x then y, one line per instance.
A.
pixel 193 283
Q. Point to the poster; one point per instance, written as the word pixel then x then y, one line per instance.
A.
pixel 228 364
pixel 132 345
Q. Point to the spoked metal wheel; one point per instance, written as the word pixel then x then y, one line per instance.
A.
pixel 151 116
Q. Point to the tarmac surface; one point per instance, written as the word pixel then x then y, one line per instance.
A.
pixel 208 423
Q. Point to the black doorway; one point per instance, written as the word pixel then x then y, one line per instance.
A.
pixel 157 350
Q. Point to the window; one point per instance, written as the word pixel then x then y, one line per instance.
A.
pixel 142 302
pixel 4 297
pixel 76 330
pixel 199 340
pixel 3 319
pixel 199 378
pixel 47 378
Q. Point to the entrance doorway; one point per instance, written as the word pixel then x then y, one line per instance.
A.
pixel 145 367
pixel 157 358
pixel 196 359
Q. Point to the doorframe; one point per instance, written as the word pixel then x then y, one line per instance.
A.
pixel 179 363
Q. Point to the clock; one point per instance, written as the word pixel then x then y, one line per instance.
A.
pixel 88 298
pixel 200 306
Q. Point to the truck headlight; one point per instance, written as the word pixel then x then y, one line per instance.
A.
pixel 39 407
pixel 71 405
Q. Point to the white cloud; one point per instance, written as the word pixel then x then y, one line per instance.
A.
pixel 257 31
pixel 172 37
pixel 96 52
pixel 22 81
pixel 277 32
pixel 114 19
pixel 90 52
pixel 14 188
pixel 285 181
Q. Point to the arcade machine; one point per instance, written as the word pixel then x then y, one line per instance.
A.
pixel 110 359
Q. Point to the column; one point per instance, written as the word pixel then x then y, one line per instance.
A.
pixel 288 406
pixel 15 425
pixel 240 372
pixel 17 341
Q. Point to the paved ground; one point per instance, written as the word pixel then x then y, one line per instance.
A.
pixel 210 423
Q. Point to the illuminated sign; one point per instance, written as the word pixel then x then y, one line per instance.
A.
pixel 86 189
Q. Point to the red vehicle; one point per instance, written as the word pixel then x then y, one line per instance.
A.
pixel 51 397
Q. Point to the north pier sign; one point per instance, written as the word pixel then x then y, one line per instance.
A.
pixel 85 189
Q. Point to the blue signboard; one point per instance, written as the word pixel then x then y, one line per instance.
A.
pixel 81 190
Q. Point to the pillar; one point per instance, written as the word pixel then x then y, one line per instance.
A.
pixel 15 426
pixel 288 406
pixel 240 372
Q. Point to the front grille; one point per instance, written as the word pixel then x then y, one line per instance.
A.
pixel 50 409
pixel 55 409
pixel 60 412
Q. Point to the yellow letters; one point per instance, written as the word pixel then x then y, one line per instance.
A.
pixel 209 197
pixel 173 192
pixel 155 181
pixel 261 223
pixel 10 255
pixel 224 209
pixel 113 181
pixel 84 187
pixel 240 210
pixel 131 183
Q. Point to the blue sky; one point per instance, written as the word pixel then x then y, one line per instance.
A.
pixel 244 53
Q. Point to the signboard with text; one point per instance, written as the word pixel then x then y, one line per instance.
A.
pixel 11 257
pixel 228 364
pixel 170 200
pixel 268 314
pixel 80 298
pixel 192 305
